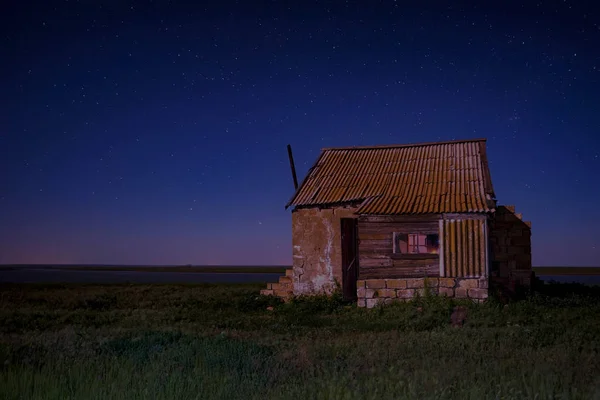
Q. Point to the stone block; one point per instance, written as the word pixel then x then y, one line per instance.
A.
pixel 371 293
pixel 282 293
pixel 360 283
pixel 478 293
pixel 524 259
pixel 431 290
pixel 395 283
pixel 372 303
pixel 375 283
pixel 266 292
pixel 415 283
pixel 361 302
pixel 467 283
pixel 501 256
pixel 405 293
pixel 516 232
pixel 460 293
pixel 514 250
pixel 523 267
pixel 521 241
pixel 289 272
pixel 521 273
pixel 432 282
pixel 361 292
pixel 524 281
pixel 388 293
pixel 283 286
pixel 445 291
pixel 447 282
pixel 483 282
pixel 501 224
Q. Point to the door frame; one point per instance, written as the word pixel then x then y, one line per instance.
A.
pixel 349 248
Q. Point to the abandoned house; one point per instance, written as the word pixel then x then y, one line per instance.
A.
pixel 390 222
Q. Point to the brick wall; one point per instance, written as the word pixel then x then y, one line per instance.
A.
pixel 372 292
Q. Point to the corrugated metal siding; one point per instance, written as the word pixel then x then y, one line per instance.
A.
pixel 464 248
pixel 431 178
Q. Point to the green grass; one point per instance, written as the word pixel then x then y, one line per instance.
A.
pixel 221 342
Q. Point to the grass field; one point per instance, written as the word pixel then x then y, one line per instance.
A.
pixel 221 342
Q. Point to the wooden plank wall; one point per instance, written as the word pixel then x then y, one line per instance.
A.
pixel 376 258
pixel 464 247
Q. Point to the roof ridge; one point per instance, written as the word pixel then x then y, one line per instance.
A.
pixel 394 146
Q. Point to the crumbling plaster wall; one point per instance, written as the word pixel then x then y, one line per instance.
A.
pixel 317 255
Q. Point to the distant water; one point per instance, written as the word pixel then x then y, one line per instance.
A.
pixel 35 274
pixel 52 275
pixel 584 279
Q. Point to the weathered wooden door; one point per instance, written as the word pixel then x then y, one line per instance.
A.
pixel 349 257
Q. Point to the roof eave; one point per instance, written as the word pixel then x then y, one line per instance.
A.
pixel 353 202
pixel 487 178
pixel 310 171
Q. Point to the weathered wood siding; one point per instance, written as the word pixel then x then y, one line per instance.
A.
pixel 464 246
pixel 375 247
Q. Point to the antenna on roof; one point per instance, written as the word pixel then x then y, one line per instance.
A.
pixel 289 148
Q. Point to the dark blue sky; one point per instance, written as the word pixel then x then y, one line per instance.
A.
pixel 145 132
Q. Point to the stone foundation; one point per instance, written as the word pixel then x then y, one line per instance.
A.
pixel 372 292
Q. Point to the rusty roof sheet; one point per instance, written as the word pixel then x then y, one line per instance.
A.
pixel 422 178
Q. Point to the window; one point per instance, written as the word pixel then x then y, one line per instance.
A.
pixel 416 243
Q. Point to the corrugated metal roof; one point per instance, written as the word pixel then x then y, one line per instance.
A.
pixel 401 179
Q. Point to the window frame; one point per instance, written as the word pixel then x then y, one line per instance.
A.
pixel 408 254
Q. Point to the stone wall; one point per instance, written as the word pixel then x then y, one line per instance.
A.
pixel 510 250
pixel 317 255
pixel 372 292
pixel 283 288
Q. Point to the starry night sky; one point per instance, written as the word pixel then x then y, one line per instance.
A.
pixel 155 132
